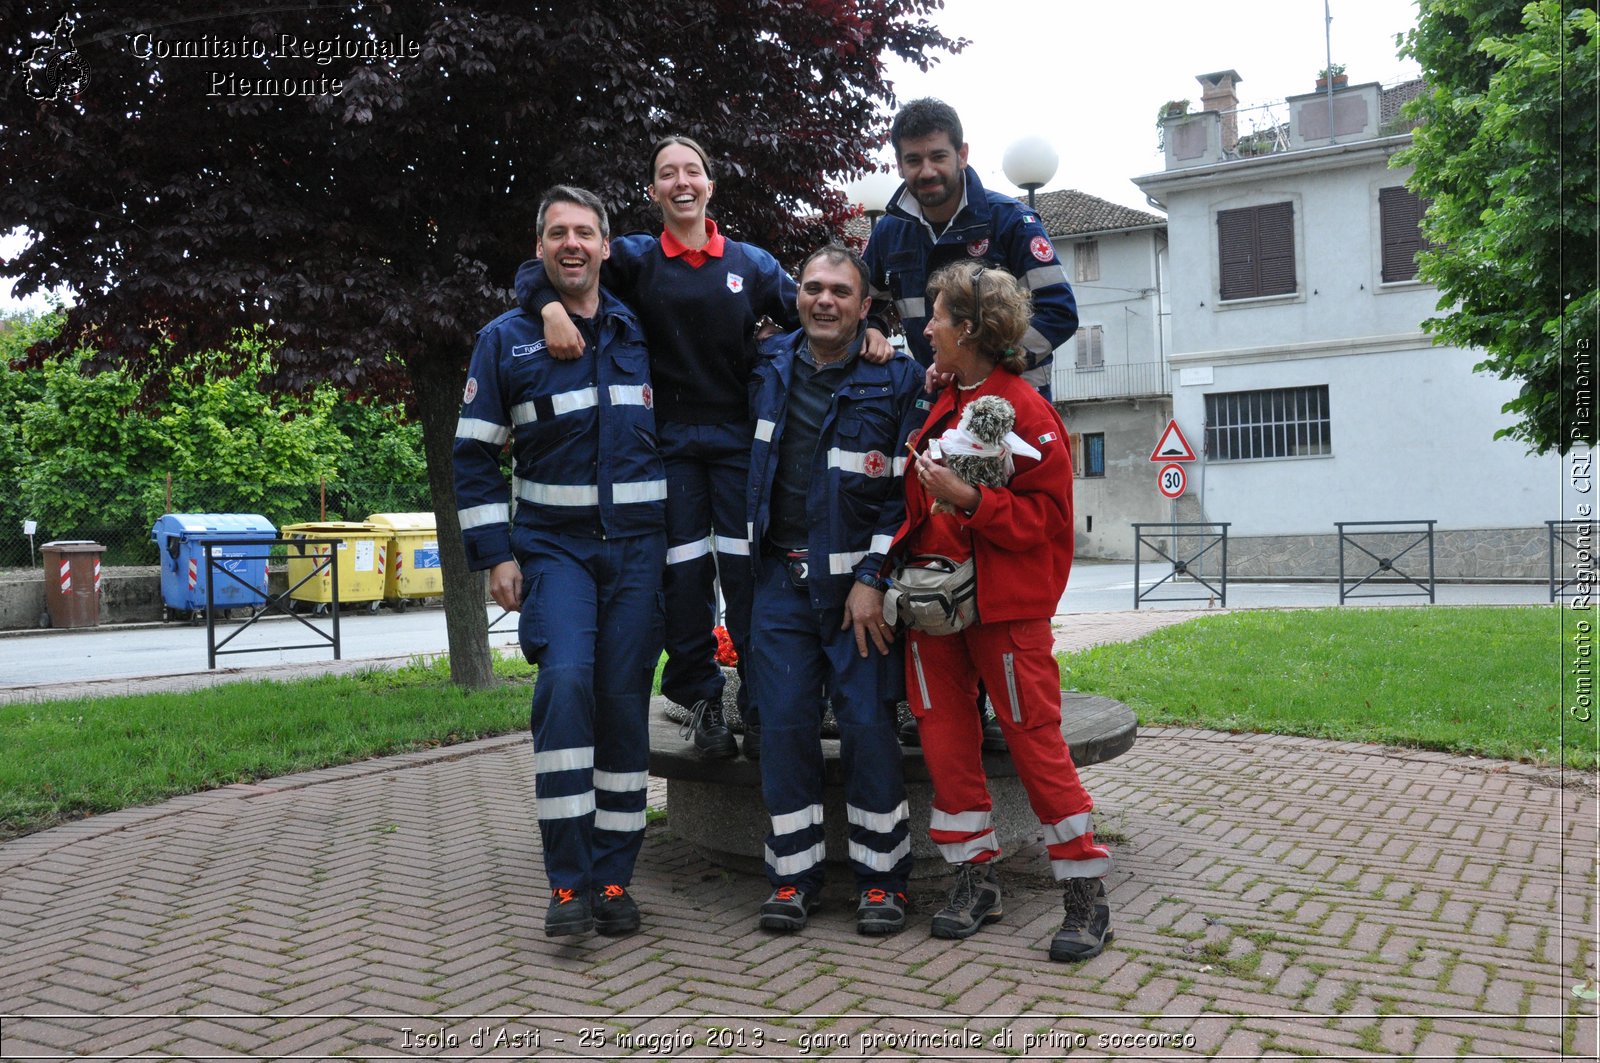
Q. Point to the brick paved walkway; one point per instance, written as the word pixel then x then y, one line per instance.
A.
pixel 1273 897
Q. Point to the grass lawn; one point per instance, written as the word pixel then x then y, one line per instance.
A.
pixel 61 760
pixel 1485 681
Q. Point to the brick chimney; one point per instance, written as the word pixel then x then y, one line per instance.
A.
pixel 1217 94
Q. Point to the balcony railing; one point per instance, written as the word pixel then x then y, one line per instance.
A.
pixel 1130 380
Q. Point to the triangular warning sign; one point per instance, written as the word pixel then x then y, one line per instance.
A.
pixel 1173 447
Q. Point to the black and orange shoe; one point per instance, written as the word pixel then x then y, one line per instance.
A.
pixel 569 913
pixel 614 911
pixel 881 912
pixel 787 909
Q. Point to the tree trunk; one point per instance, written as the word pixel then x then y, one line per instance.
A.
pixel 437 378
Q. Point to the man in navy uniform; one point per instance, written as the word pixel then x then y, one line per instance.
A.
pixel 581 560
pixel 825 499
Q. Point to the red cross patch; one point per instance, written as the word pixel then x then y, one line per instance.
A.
pixel 648 396
pixel 875 463
pixel 735 283
pixel 472 389
pixel 1041 249
pixel 978 247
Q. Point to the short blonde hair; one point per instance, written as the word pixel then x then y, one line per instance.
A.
pixel 993 302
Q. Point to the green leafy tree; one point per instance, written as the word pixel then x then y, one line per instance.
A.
pixel 18 388
pixel 1506 153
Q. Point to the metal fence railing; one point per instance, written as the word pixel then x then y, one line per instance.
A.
pixel 119 514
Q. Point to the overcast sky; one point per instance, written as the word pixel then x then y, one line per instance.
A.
pixel 1089 77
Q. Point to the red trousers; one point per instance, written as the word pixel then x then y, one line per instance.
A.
pixel 1015 662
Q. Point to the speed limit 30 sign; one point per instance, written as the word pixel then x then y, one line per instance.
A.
pixel 1171 480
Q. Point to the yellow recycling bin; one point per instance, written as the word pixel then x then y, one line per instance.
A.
pixel 360 578
pixel 409 558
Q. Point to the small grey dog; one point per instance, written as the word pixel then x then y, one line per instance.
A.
pixel 985 422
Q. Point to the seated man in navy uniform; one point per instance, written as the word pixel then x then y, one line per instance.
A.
pixel 825 499
pixel 581 561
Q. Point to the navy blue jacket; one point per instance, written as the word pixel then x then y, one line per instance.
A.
pixel 856 499
pixel 583 435
pixel 902 255
pixel 700 323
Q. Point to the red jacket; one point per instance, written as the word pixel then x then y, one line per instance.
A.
pixel 1021 533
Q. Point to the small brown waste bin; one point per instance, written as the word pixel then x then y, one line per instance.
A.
pixel 72 582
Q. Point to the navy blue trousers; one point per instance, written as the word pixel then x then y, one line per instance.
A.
pixel 591 621
pixel 797 654
pixel 708 474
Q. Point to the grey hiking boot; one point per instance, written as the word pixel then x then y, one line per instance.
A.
pixel 1087 925
pixel 974 901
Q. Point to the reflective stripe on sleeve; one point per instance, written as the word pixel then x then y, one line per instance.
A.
pixel 1045 276
pixel 844 564
pixel 688 551
pixel 483 516
pixel 481 430
pixel 727 544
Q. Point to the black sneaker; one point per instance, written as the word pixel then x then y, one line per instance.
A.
pixel 712 739
pixel 752 741
pixel 569 913
pixel 909 735
pixel 614 911
pixel 994 739
pixel 974 901
pixel 1087 926
pixel 881 912
pixel 787 909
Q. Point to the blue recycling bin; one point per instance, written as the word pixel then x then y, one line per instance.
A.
pixel 180 540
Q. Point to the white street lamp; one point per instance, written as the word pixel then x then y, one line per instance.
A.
pixel 1030 163
pixel 871 192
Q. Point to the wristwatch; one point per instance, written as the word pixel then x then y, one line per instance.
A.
pixel 871 580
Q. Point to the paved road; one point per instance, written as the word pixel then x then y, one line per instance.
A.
pixel 34 659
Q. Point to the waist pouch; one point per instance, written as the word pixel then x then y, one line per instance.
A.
pixel 933 594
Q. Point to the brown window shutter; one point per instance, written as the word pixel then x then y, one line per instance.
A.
pixel 1075 444
pixel 1256 251
pixel 1400 226
pixel 1236 241
pixel 1275 233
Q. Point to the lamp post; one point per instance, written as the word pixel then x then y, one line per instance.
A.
pixel 1030 163
pixel 871 192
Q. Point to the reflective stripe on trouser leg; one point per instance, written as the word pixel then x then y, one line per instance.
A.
pixel 1043 761
pixel 786 671
pixel 625 662
pixel 865 691
pixel 943 685
pixel 728 468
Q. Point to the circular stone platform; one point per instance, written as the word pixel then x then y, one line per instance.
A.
pixel 716 806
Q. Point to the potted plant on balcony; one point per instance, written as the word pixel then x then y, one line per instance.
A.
pixel 1170 109
pixel 1335 73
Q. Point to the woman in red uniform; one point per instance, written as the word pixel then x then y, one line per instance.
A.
pixel 1020 537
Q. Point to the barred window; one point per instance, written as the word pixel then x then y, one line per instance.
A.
pixel 1280 423
pixel 1256 249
